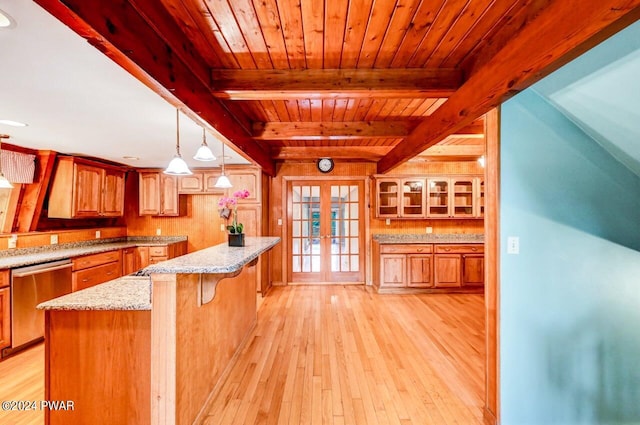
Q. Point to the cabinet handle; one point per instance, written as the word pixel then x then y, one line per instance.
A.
pixel 474 249
pixel 109 273
pixel 447 249
pixel 86 279
pixel 420 250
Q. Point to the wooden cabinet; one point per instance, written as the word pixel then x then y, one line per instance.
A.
pixel 129 261
pixel 82 189
pixel 243 177
pixel 428 267
pixel 200 182
pixel 429 197
pixel 146 255
pixel 5 310
pixel 459 265
pixel 401 266
pixel 158 193
pixel 93 269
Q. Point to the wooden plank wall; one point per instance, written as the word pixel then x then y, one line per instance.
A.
pixel 33 239
pixel 305 170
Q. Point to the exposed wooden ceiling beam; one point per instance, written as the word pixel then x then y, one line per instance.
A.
pixel 270 84
pixel 161 61
pixel 374 153
pixel 551 38
pixel 352 130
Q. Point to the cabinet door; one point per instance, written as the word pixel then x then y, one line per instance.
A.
pixel 129 261
pixel 245 179
pixel 447 270
pixel 438 199
pixel 88 190
pixel 392 271
pixel 149 193
pixel 413 202
pixel 142 256
pixel 388 204
pixel 169 195
pixel 420 271
pixel 5 318
pixel 113 194
pixel 479 197
pixel 462 197
pixel 191 184
pixel 472 270
pixel 210 178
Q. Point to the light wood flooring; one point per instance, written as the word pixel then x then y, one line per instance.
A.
pixel 334 355
pixel 345 355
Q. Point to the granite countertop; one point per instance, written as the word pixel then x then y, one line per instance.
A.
pixel 430 238
pixel 216 259
pixel 123 293
pixel 28 256
pixel 134 292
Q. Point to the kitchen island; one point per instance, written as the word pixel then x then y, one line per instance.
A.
pixel 152 348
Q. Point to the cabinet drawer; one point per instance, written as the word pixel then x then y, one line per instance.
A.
pixel 157 251
pixel 4 278
pixel 460 249
pixel 89 277
pixel 93 260
pixel 406 249
pixel 154 260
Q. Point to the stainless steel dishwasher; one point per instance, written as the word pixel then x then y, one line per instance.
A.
pixel 31 286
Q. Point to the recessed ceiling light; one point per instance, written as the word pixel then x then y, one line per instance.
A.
pixel 6 21
pixel 13 123
pixel 132 158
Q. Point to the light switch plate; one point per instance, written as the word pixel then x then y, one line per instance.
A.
pixel 97 234
pixel 513 245
pixel 54 239
pixel 158 231
pixel 13 241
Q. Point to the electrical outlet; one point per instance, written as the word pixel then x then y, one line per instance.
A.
pixel 158 231
pixel 222 229
pixel 13 241
pixel 513 245
pixel 279 222
pixel 54 239
pixel 97 234
pixel 429 229
pixel 387 222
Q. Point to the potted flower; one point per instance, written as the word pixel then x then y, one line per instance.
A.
pixel 228 206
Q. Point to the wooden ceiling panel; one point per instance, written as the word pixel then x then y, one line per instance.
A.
pixel 435 64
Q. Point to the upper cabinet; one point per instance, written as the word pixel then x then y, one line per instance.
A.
pixel 158 193
pixel 430 197
pixel 200 182
pixel 83 188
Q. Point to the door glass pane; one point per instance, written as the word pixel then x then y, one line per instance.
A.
pixel 305 228
pixel 355 245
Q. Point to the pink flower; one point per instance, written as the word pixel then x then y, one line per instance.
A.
pixel 241 194
pixel 226 202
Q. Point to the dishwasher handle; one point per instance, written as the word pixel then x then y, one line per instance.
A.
pixel 32 272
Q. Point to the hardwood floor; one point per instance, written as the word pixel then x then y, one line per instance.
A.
pixel 345 355
pixel 334 355
pixel 22 379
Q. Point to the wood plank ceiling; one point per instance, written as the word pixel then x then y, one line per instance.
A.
pixel 370 79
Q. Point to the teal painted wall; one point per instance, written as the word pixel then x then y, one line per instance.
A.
pixel 570 301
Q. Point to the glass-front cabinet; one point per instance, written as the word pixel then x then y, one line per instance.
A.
pixel 430 197
pixel 387 198
pixel 438 200
pixel 413 198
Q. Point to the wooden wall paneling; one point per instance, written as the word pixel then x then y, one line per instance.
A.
pixel 265 260
pixel 34 239
pixel 492 268
pixel 33 197
pixel 11 207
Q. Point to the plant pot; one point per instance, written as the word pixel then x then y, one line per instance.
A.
pixel 236 239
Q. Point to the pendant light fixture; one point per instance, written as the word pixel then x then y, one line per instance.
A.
pixel 4 183
pixel 177 166
pixel 204 153
pixel 223 181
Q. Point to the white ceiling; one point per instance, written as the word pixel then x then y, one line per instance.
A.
pixel 77 101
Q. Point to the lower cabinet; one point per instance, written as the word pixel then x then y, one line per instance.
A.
pixel 146 255
pixel 129 261
pixel 5 317
pixel 428 267
pixel 93 269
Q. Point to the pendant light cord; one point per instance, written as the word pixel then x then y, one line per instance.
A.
pixel 223 158
pixel 178 132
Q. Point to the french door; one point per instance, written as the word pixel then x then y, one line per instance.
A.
pixel 326 231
